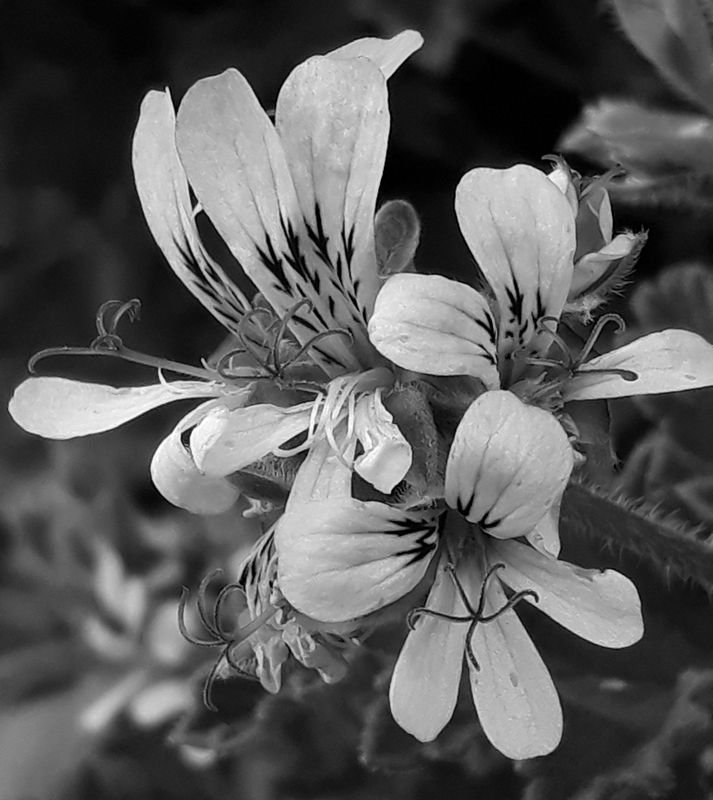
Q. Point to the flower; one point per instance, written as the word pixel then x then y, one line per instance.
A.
pixel 521 230
pixel 342 560
pixel 295 203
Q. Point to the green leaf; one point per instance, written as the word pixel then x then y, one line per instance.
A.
pixel 674 36
pixel 606 519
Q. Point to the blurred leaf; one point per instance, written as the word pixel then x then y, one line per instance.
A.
pixel 668 766
pixel 680 297
pixel 41 743
pixel 675 36
pixel 668 155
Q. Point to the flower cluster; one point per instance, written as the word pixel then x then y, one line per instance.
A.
pixel 416 434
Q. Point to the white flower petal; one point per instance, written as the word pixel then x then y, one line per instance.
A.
pixel 387 54
pixel 387 455
pixel 433 325
pixel 343 558
pixel 322 475
pixel 333 120
pixel 508 465
pixel 601 607
pixel 514 696
pixel 668 361
pixel 177 477
pixel 163 190
pixel 545 536
pixel 226 441
pixel 424 684
pixel 235 163
pixel 520 228
pixel 60 408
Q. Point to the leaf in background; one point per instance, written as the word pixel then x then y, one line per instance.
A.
pixel 673 763
pixel 668 155
pixel 675 36
pixel 41 743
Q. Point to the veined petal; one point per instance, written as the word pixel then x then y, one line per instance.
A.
pixel 433 325
pixel 508 465
pixel 235 162
pixel 387 455
pixel 520 228
pixel 600 606
pixel 343 558
pixel 667 361
pixel 322 475
pixel 332 117
pixel 163 190
pixel 60 408
pixel 179 480
pixel 387 54
pixel 514 696
pixel 226 441
pixel 424 684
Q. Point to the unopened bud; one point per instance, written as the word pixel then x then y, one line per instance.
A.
pixel 397 231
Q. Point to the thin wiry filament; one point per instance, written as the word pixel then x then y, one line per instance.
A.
pixel 219 637
pixel 574 365
pixel 108 343
pixel 474 615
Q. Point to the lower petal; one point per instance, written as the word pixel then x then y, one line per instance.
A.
pixel 513 692
pixel 667 361
pixel 602 607
pixel 424 685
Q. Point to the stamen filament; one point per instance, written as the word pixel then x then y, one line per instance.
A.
pixel 124 353
pixel 599 326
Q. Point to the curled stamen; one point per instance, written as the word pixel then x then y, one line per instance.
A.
pixel 474 615
pixel 228 372
pixel 282 330
pixel 312 342
pixel 596 332
pixel 511 603
pixel 228 641
pixel 109 343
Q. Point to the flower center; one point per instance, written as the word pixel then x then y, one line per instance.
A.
pixel 545 389
pixel 269 342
